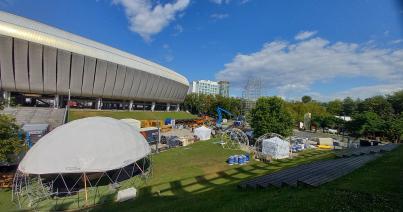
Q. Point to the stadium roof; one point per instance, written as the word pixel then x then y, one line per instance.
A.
pixel 26 29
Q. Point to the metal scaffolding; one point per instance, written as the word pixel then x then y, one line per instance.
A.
pixel 252 91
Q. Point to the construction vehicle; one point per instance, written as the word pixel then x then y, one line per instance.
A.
pixel 219 118
pixel 239 121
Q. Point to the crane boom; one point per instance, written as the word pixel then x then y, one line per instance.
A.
pixel 219 112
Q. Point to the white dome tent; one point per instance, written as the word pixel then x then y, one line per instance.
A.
pixel 84 153
pixel 203 133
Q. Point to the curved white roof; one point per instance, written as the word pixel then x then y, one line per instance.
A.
pixel 94 144
pixel 26 29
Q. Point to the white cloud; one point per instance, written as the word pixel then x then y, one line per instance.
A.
pixel 368 91
pixel 305 35
pixel 148 19
pixel 240 2
pixel 290 69
pixel 244 1
pixel 397 41
pixel 6 3
pixel 217 16
pixel 178 30
pixel 168 53
pixel 221 1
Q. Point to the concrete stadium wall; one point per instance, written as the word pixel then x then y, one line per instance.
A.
pixel 36 58
pixel 35 68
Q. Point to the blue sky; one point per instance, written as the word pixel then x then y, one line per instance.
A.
pixel 326 49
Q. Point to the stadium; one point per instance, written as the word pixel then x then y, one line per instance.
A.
pixel 43 65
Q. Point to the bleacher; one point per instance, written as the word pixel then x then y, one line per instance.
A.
pixel 37 115
pixel 320 172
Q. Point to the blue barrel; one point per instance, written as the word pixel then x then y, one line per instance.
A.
pixel 168 121
pixel 236 160
pixel 231 160
pixel 247 158
pixel 241 160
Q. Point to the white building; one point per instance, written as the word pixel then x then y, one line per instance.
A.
pixel 223 88
pixel 204 87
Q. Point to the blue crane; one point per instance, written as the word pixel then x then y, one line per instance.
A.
pixel 219 112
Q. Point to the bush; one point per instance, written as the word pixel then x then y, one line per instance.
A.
pixel 9 142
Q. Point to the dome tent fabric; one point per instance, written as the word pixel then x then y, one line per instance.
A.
pixel 95 144
pixel 203 133
pixel 134 122
pixel 276 148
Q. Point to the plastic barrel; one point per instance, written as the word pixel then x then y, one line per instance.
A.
pixel 231 160
pixel 235 159
pixel 241 160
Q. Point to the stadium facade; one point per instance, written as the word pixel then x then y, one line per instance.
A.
pixel 39 61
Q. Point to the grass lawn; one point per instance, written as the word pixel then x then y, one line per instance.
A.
pixel 196 178
pixel 139 115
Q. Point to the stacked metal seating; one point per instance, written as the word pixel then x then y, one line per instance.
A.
pixel 320 172
pixel 365 150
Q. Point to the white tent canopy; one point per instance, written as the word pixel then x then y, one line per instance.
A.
pixel 95 144
pixel 203 133
pixel 134 122
pixel 276 148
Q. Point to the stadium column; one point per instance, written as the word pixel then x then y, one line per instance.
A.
pixel 7 97
pixel 178 108
pixel 168 106
pixel 152 106
pixel 98 105
pixel 56 101
pixel 131 105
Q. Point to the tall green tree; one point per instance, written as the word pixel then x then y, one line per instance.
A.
pixel 324 121
pixel 9 143
pixel 394 128
pixel 335 107
pixel 306 99
pixel 396 100
pixel 202 104
pixel 271 116
pixel 366 124
pixel 376 104
pixel 349 106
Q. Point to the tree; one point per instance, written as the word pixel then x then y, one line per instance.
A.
pixel 376 104
pixel 271 116
pixel 324 121
pixel 299 109
pixel 366 124
pixel 396 100
pixel 306 99
pixel 207 104
pixel 9 142
pixel 395 128
pixel 348 106
pixel 335 107
pixel 192 103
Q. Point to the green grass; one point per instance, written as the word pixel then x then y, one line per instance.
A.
pixel 190 184
pixel 196 178
pixel 139 115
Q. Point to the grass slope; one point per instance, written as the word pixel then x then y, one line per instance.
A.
pixel 139 115
pixel 193 185
pixel 196 178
